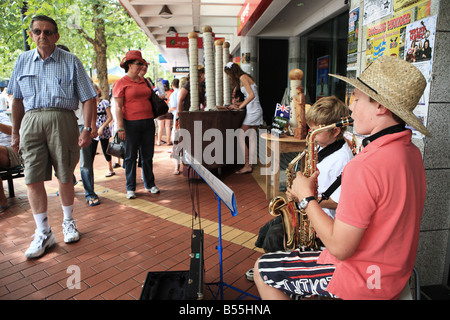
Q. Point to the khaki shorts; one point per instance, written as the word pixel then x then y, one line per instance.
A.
pixel 14 159
pixel 49 138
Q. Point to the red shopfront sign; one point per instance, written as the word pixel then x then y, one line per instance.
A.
pixel 250 12
pixel 183 42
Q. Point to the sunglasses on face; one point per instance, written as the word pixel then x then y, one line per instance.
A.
pixel 38 32
pixel 138 63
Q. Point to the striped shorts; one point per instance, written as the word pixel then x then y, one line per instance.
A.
pixel 296 273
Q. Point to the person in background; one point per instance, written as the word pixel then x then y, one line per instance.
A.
pixel 117 163
pixel 175 129
pixel 8 157
pixel 254 115
pixel 173 99
pixel 184 96
pixel 3 100
pixel 172 103
pixel 104 118
pixel 165 121
pixel 44 126
pixel 135 122
pixel 86 158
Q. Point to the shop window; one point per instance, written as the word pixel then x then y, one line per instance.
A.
pixel 324 51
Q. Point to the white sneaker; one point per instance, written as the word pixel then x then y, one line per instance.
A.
pixel 70 231
pixel 153 189
pixel 40 242
pixel 249 275
pixel 131 195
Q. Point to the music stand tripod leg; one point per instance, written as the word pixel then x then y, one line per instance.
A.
pixel 221 283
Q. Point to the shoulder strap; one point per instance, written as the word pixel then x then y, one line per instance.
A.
pixel 148 84
pixel 326 195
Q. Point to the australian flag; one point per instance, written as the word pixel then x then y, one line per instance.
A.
pixel 282 111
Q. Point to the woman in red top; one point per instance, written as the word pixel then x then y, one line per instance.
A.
pixel 135 123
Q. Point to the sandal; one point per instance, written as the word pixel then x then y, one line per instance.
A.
pixel 94 202
pixel 244 171
pixel 3 208
pixel 110 174
pixel 176 172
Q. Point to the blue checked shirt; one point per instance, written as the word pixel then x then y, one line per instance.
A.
pixel 60 81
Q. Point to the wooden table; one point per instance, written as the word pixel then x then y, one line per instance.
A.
pixel 196 123
pixel 275 146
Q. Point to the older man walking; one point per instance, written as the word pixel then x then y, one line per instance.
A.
pixel 47 84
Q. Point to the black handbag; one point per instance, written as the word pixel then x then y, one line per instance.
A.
pixel 116 148
pixel 159 106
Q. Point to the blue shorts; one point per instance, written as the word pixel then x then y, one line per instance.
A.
pixel 296 273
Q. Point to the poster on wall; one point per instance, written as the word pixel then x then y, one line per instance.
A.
pixel 353 36
pixel 322 77
pixel 421 5
pixel 419 42
pixel 419 46
pixel 387 37
pixel 375 10
pixel 245 57
pixel 408 34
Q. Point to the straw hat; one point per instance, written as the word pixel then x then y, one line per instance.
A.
pixel 132 55
pixel 395 84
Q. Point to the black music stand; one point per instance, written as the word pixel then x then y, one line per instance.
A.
pixel 223 194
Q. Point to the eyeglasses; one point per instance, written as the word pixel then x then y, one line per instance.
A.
pixel 38 32
pixel 138 63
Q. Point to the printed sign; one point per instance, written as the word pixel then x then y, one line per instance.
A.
pixel 322 77
pixel 376 9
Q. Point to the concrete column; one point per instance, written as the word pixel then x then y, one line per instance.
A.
pixel 294 53
pixel 249 51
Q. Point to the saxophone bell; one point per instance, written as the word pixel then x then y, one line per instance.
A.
pixel 289 214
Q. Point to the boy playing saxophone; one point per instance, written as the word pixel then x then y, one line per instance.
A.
pixel 372 242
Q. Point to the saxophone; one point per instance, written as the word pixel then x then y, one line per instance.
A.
pixel 298 231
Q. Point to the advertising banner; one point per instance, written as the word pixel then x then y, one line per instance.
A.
pixel 409 33
pixel 419 46
pixel 323 65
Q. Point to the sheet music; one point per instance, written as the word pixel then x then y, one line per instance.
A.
pixel 219 188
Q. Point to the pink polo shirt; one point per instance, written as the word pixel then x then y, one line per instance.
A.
pixel 383 192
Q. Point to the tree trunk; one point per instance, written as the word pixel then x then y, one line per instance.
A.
pixel 100 48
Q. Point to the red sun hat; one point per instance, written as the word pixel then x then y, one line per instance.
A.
pixel 131 56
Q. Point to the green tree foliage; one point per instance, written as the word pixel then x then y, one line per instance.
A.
pixel 99 32
pixel 11 38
